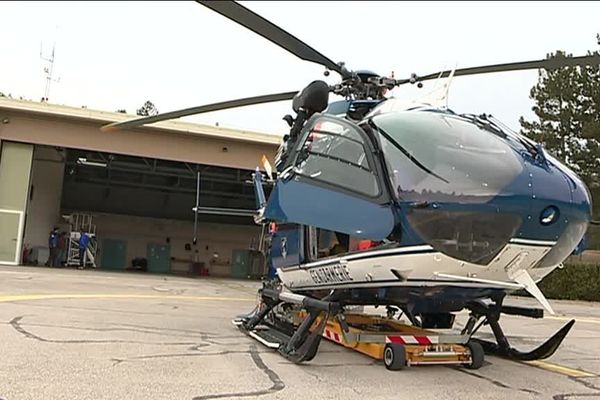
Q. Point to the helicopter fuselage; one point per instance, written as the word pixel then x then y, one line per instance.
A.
pixel 421 207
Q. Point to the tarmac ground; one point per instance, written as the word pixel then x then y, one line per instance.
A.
pixel 71 334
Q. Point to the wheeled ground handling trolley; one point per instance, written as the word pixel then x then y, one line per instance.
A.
pixel 399 345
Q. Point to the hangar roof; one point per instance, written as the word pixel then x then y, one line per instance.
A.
pixel 179 127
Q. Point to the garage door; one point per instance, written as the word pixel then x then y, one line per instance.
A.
pixel 10 224
pixel 15 171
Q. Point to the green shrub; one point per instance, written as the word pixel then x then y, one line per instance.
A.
pixel 573 282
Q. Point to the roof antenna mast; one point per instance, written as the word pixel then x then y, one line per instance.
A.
pixel 48 70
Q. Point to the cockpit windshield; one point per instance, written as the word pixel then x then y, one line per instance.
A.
pixel 441 157
pixel 434 157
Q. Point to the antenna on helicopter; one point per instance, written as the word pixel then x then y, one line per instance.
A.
pixel 438 95
pixel 447 85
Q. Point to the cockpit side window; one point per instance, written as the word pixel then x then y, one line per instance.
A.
pixel 335 153
pixel 333 179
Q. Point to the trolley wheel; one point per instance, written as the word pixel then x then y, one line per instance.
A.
pixel 477 355
pixel 394 356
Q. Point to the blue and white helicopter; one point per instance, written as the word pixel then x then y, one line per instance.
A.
pixel 406 205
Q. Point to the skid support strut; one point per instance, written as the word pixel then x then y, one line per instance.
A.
pixel 299 346
pixel 303 345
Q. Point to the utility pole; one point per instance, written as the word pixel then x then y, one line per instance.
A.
pixel 195 239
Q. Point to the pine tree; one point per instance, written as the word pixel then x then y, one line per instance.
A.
pixel 567 105
pixel 147 109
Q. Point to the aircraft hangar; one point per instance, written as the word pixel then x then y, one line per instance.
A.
pixel 133 190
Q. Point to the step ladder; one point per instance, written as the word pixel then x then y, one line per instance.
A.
pixel 79 222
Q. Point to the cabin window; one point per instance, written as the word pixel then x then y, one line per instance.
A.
pixel 335 153
pixel 330 243
pixel 325 243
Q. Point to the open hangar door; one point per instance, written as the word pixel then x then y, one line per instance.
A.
pixel 142 210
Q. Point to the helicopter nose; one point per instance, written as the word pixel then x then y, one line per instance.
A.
pixel 562 204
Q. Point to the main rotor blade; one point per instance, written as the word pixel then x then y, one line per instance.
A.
pixel 269 31
pixel 247 101
pixel 551 63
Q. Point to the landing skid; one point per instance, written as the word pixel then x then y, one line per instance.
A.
pixel 490 315
pixel 541 352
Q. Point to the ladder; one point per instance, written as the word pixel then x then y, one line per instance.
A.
pixel 79 222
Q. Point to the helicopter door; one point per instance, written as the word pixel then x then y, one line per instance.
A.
pixel 333 181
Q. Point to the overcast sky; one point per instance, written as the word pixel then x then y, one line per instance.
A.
pixel 113 55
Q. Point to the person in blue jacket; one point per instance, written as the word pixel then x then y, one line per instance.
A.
pixel 53 247
pixel 84 240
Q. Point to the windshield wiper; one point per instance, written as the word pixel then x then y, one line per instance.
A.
pixel 404 151
pixel 531 147
pixel 483 122
pixel 491 124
